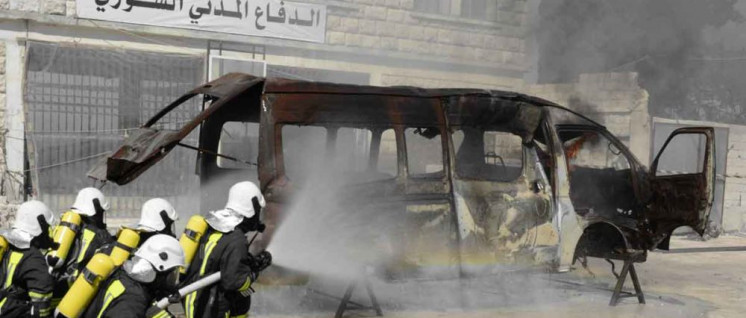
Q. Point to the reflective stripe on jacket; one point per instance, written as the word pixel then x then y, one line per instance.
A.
pixel 27 284
pixel 119 296
pixel 227 253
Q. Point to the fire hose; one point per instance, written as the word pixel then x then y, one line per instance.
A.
pixel 259 263
pixel 193 287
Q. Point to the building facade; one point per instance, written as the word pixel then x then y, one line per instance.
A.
pixel 77 75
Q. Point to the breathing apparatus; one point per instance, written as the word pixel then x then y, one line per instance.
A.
pixel 63 236
pixel 154 264
pixel 89 207
pixel 81 293
pixel 189 240
pixel 127 241
pixel 157 216
pixel 3 247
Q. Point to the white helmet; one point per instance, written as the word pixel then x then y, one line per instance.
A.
pixel 159 253
pixel 84 201
pixel 240 196
pixel 162 251
pixel 27 225
pixel 150 215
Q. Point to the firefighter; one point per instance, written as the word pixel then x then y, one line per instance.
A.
pixel 150 274
pixel 90 235
pixel 224 248
pixel 26 283
pixel 157 216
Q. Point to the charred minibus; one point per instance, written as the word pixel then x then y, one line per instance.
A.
pixel 471 178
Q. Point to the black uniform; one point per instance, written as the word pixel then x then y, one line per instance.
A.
pixel 90 238
pixel 26 284
pixel 229 254
pixel 120 296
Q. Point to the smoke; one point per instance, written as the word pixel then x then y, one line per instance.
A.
pixel 676 47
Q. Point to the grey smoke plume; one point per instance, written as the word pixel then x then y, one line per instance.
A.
pixel 664 41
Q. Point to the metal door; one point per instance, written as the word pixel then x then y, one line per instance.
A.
pixel 661 131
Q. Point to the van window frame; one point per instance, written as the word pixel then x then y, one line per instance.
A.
pixel 633 162
pixel 440 175
pixel 330 145
pixel 457 175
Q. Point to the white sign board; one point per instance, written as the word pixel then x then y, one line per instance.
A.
pixel 268 18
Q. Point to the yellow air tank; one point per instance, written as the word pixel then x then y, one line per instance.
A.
pixel 189 241
pixel 85 286
pixel 127 241
pixel 3 247
pixel 64 235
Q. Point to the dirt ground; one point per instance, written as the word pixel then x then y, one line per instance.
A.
pixel 694 280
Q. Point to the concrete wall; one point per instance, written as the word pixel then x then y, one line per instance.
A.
pixel 734 214
pixel 734 196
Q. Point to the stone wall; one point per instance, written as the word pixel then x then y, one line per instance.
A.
pixel 7 213
pixel 7 181
pixel 395 25
pixel 3 129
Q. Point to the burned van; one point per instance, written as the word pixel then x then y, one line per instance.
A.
pixel 463 179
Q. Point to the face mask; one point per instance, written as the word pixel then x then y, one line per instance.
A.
pixel 169 228
pixel 98 218
pixel 44 240
pixel 253 223
pixel 165 283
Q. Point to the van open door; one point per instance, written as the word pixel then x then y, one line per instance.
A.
pixel 682 182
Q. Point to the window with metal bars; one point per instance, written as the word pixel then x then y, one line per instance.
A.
pixel 433 6
pixel 479 9
pixel 82 102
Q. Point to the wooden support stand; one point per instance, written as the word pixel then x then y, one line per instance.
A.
pixel 346 302
pixel 628 268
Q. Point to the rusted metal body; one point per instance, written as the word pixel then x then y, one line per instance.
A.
pixel 515 182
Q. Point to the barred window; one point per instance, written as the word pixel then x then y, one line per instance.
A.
pixel 433 6
pixel 479 9
pixel 84 100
